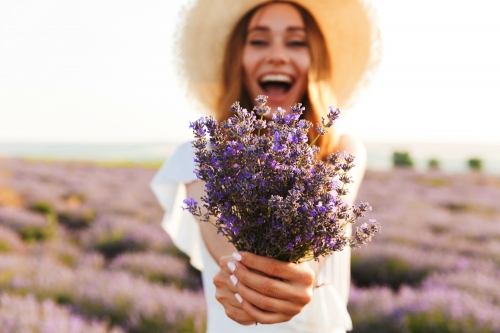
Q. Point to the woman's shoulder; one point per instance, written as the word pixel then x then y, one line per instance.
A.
pixel 183 149
pixel 179 167
pixel 352 145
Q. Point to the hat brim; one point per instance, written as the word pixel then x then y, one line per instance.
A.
pixel 348 27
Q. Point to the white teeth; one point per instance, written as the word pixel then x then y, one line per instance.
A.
pixel 276 78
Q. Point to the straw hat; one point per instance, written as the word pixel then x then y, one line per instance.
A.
pixel 352 42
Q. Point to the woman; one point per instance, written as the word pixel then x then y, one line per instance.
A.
pixel 314 52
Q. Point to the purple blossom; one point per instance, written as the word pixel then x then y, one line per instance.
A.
pixel 276 189
pixel 190 202
pixel 432 308
pixel 10 241
pixel 332 115
pixel 291 117
pixel 235 107
pixel 26 314
pixel 198 126
pixel 29 225
pixel 156 268
pixel 105 294
pixel 114 234
pixel 427 230
pixel 261 99
pixel 297 109
pixel 128 299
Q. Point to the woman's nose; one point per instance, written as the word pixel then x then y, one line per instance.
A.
pixel 277 53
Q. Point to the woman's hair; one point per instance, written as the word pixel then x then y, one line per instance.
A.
pixel 318 77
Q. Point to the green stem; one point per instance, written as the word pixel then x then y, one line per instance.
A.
pixel 310 145
pixel 258 134
pixel 350 219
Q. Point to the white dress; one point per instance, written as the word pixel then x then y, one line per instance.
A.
pixel 326 313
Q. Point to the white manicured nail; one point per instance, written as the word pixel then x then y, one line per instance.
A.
pixel 234 279
pixel 237 256
pixel 238 297
pixel 231 266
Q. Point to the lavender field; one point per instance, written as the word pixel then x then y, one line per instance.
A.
pixel 81 250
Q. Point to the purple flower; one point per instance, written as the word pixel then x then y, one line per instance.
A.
pixel 261 99
pixel 235 107
pixel 190 202
pixel 278 147
pixel 297 109
pixel 291 117
pixel 269 192
pixel 25 313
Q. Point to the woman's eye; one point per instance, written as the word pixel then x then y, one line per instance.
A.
pixel 297 43
pixel 258 42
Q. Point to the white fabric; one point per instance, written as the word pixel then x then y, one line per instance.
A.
pixel 326 313
pixel 169 187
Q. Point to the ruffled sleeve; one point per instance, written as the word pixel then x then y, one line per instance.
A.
pixel 169 186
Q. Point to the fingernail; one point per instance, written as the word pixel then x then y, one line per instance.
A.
pixel 238 297
pixel 234 279
pixel 237 256
pixel 231 266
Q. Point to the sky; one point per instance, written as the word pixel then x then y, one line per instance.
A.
pixel 100 71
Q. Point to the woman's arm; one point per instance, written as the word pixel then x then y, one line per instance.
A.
pixel 220 250
pixel 216 244
pixel 270 291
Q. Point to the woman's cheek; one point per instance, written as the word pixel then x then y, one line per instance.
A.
pixel 250 60
pixel 250 68
pixel 304 63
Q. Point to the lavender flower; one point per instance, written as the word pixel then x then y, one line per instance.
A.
pixel 61 248
pixel 30 226
pixel 442 241
pixel 267 193
pixel 39 276
pixel 114 234
pixel 432 309
pixel 26 314
pixel 10 241
pixel 135 304
pixel 156 268
pixel 128 301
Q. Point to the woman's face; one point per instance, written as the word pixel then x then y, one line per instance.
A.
pixel 276 57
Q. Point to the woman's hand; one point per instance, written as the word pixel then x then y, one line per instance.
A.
pixel 268 290
pixel 225 294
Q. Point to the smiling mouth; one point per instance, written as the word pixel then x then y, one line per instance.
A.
pixel 275 85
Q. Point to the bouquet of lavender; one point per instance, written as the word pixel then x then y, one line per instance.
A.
pixel 266 192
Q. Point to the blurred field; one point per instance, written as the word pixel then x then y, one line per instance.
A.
pixel 81 250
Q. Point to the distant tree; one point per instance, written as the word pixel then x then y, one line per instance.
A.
pixel 433 164
pixel 402 159
pixel 475 164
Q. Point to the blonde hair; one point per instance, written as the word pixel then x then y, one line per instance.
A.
pixel 319 92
